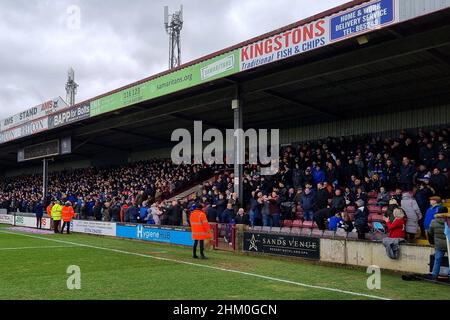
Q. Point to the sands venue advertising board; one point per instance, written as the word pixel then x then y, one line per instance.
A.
pixel 284 245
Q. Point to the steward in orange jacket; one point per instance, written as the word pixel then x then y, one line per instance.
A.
pixel 49 209
pixel 67 214
pixel 200 230
pixel 49 213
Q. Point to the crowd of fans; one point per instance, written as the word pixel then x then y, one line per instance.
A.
pixel 318 180
pixel 91 191
pixel 321 180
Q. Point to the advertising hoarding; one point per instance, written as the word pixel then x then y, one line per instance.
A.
pixel 27 221
pixel 284 45
pixel 24 130
pixel 368 17
pixel 155 234
pixel 69 116
pixel 284 245
pixel 34 113
pixel 94 227
pixel 6 219
pixel 188 77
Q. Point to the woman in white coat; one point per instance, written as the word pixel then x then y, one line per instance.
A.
pixel 413 215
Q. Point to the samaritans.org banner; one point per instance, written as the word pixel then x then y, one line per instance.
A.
pixel 182 79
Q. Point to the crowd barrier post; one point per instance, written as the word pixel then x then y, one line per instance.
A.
pixel 233 236
pixel 216 235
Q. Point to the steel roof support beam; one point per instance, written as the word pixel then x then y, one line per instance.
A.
pixel 139 135
pixel 239 147
pixel 307 107
pixel 369 76
pixel 106 146
pixel 160 111
pixel 185 117
pixel 433 53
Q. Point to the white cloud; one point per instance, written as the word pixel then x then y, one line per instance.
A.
pixel 119 41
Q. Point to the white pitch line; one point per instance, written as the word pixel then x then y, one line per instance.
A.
pixel 206 266
pixel 42 247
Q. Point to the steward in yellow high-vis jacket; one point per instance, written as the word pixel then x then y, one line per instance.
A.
pixel 56 215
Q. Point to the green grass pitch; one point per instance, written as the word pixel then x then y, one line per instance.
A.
pixel 35 267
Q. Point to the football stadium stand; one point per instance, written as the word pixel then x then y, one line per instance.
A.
pixel 362 105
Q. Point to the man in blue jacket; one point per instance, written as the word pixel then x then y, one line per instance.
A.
pixel 318 174
pixel 39 210
pixel 308 203
pixel 435 204
pixel 133 212
pixel 143 212
pixel 228 214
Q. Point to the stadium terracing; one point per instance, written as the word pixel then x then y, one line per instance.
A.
pixel 363 67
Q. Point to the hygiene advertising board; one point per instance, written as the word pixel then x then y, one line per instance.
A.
pixel 156 234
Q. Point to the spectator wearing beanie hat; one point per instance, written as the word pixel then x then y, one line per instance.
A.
pixel 361 219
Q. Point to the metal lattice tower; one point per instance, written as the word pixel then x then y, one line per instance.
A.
pixel 71 87
pixel 174 25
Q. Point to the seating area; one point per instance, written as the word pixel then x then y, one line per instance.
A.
pixel 377 214
pixel 300 227
pixel 311 230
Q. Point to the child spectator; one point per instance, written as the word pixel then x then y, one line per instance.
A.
pixel 334 221
pixel 346 223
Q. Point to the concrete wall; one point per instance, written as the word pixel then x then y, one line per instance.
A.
pixel 413 258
